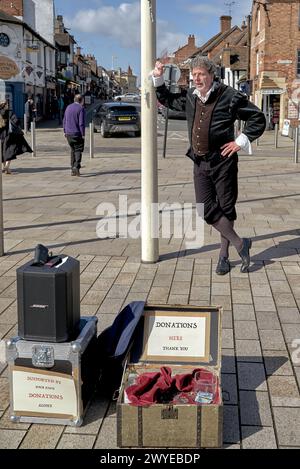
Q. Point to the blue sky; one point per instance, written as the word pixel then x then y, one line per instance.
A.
pixel 110 29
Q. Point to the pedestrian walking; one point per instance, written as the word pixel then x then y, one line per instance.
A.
pixel 74 130
pixel 12 138
pixel 30 112
pixel 212 109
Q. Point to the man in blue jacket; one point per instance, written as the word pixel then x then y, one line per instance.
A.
pixel 211 109
pixel 74 130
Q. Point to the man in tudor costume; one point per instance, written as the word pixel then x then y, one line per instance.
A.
pixel 212 109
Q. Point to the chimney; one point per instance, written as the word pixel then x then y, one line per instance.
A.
pixel 13 8
pixel 225 23
pixel 78 50
pixel 226 56
pixel 191 40
pixel 244 26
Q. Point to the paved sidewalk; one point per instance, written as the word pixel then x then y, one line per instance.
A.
pixel 43 204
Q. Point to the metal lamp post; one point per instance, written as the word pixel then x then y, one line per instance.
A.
pixel 149 215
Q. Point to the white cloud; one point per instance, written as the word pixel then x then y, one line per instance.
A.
pixel 122 23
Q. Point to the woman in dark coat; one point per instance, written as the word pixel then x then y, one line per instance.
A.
pixel 12 138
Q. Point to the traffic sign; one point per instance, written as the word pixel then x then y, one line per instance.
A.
pixel 172 74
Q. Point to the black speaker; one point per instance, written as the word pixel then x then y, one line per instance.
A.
pixel 49 300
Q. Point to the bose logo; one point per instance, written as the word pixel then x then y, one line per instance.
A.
pixel 39 306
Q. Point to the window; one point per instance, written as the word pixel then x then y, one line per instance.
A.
pixel 27 44
pixel 298 63
pixel 257 62
pixel 258 20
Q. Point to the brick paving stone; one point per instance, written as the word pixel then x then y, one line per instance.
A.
pixel 240 284
pixel 276 275
pixel 224 301
pixel 92 419
pixel 6 423
pixel 259 278
pixel 248 351
pixel 258 438
pixel 94 297
pixel 110 306
pixel 277 363
pixel 104 321
pixel 261 290
pixel 10 439
pixel 4 304
pixel 97 267
pixel 251 377
pixel 180 287
pixel 245 330
pixel 118 291
pixel 88 310
pixel 227 320
pixel 227 338
pixel 229 388
pixel 42 437
pixel 125 279
pixel 287 315
pixel 4 393
pixel 70 441
pixel 178 300
pixel 131 267
pixel 287 424
pixel 110 272
pixel 186 264
pixel 284 300
pixel 272 340
pixel 162 281
pixel 158 294
pixel 243 312
pixel 200 293
pixel 228 361
pixel 140 286
pixel 4 329
pixel 108 435
pixel 293 269
pixel 231 427
pixel 103 284
pixel 135 297
pixel 267 321
pixel 146 274
pixel 201 281
pixel 283 391
pixel 220 289
pixel 297 372
pixel 182 275
pixel 280 287
pixel 264 303
pixel 291 332
pixel 255 408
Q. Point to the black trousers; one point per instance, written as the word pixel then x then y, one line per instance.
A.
pixel 216 186
pixel 77 147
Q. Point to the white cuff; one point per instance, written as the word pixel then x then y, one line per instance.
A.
pixel 158 81
pixel 243 142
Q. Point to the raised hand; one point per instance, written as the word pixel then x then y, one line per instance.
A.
pixel 159 69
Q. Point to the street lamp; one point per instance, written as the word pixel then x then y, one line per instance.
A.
pixel 149 212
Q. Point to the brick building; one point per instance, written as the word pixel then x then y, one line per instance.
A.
pixel 275 58
pixel 228 48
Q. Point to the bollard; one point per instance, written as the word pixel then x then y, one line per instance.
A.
pixel 33 141
pixel 276 136
pixel 296 147
pixel 1 210
pixel 91 140
pixel 25 124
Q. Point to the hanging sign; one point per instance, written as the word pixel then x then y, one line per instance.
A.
pixel 8 68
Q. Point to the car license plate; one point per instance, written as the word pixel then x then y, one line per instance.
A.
pixel 124 118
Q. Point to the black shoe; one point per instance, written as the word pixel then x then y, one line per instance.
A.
pixel 73 172
pixel 223 266
pixel 77 172
pixel 245 254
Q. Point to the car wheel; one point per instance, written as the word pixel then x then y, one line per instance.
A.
pixel 103 131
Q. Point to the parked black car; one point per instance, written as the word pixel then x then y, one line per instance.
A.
pixel 111 118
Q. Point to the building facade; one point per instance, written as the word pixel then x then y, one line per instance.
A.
pixel 32 53
pixel 275 59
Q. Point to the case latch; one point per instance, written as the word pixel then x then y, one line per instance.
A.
pixel 169 413
pixel 42 356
